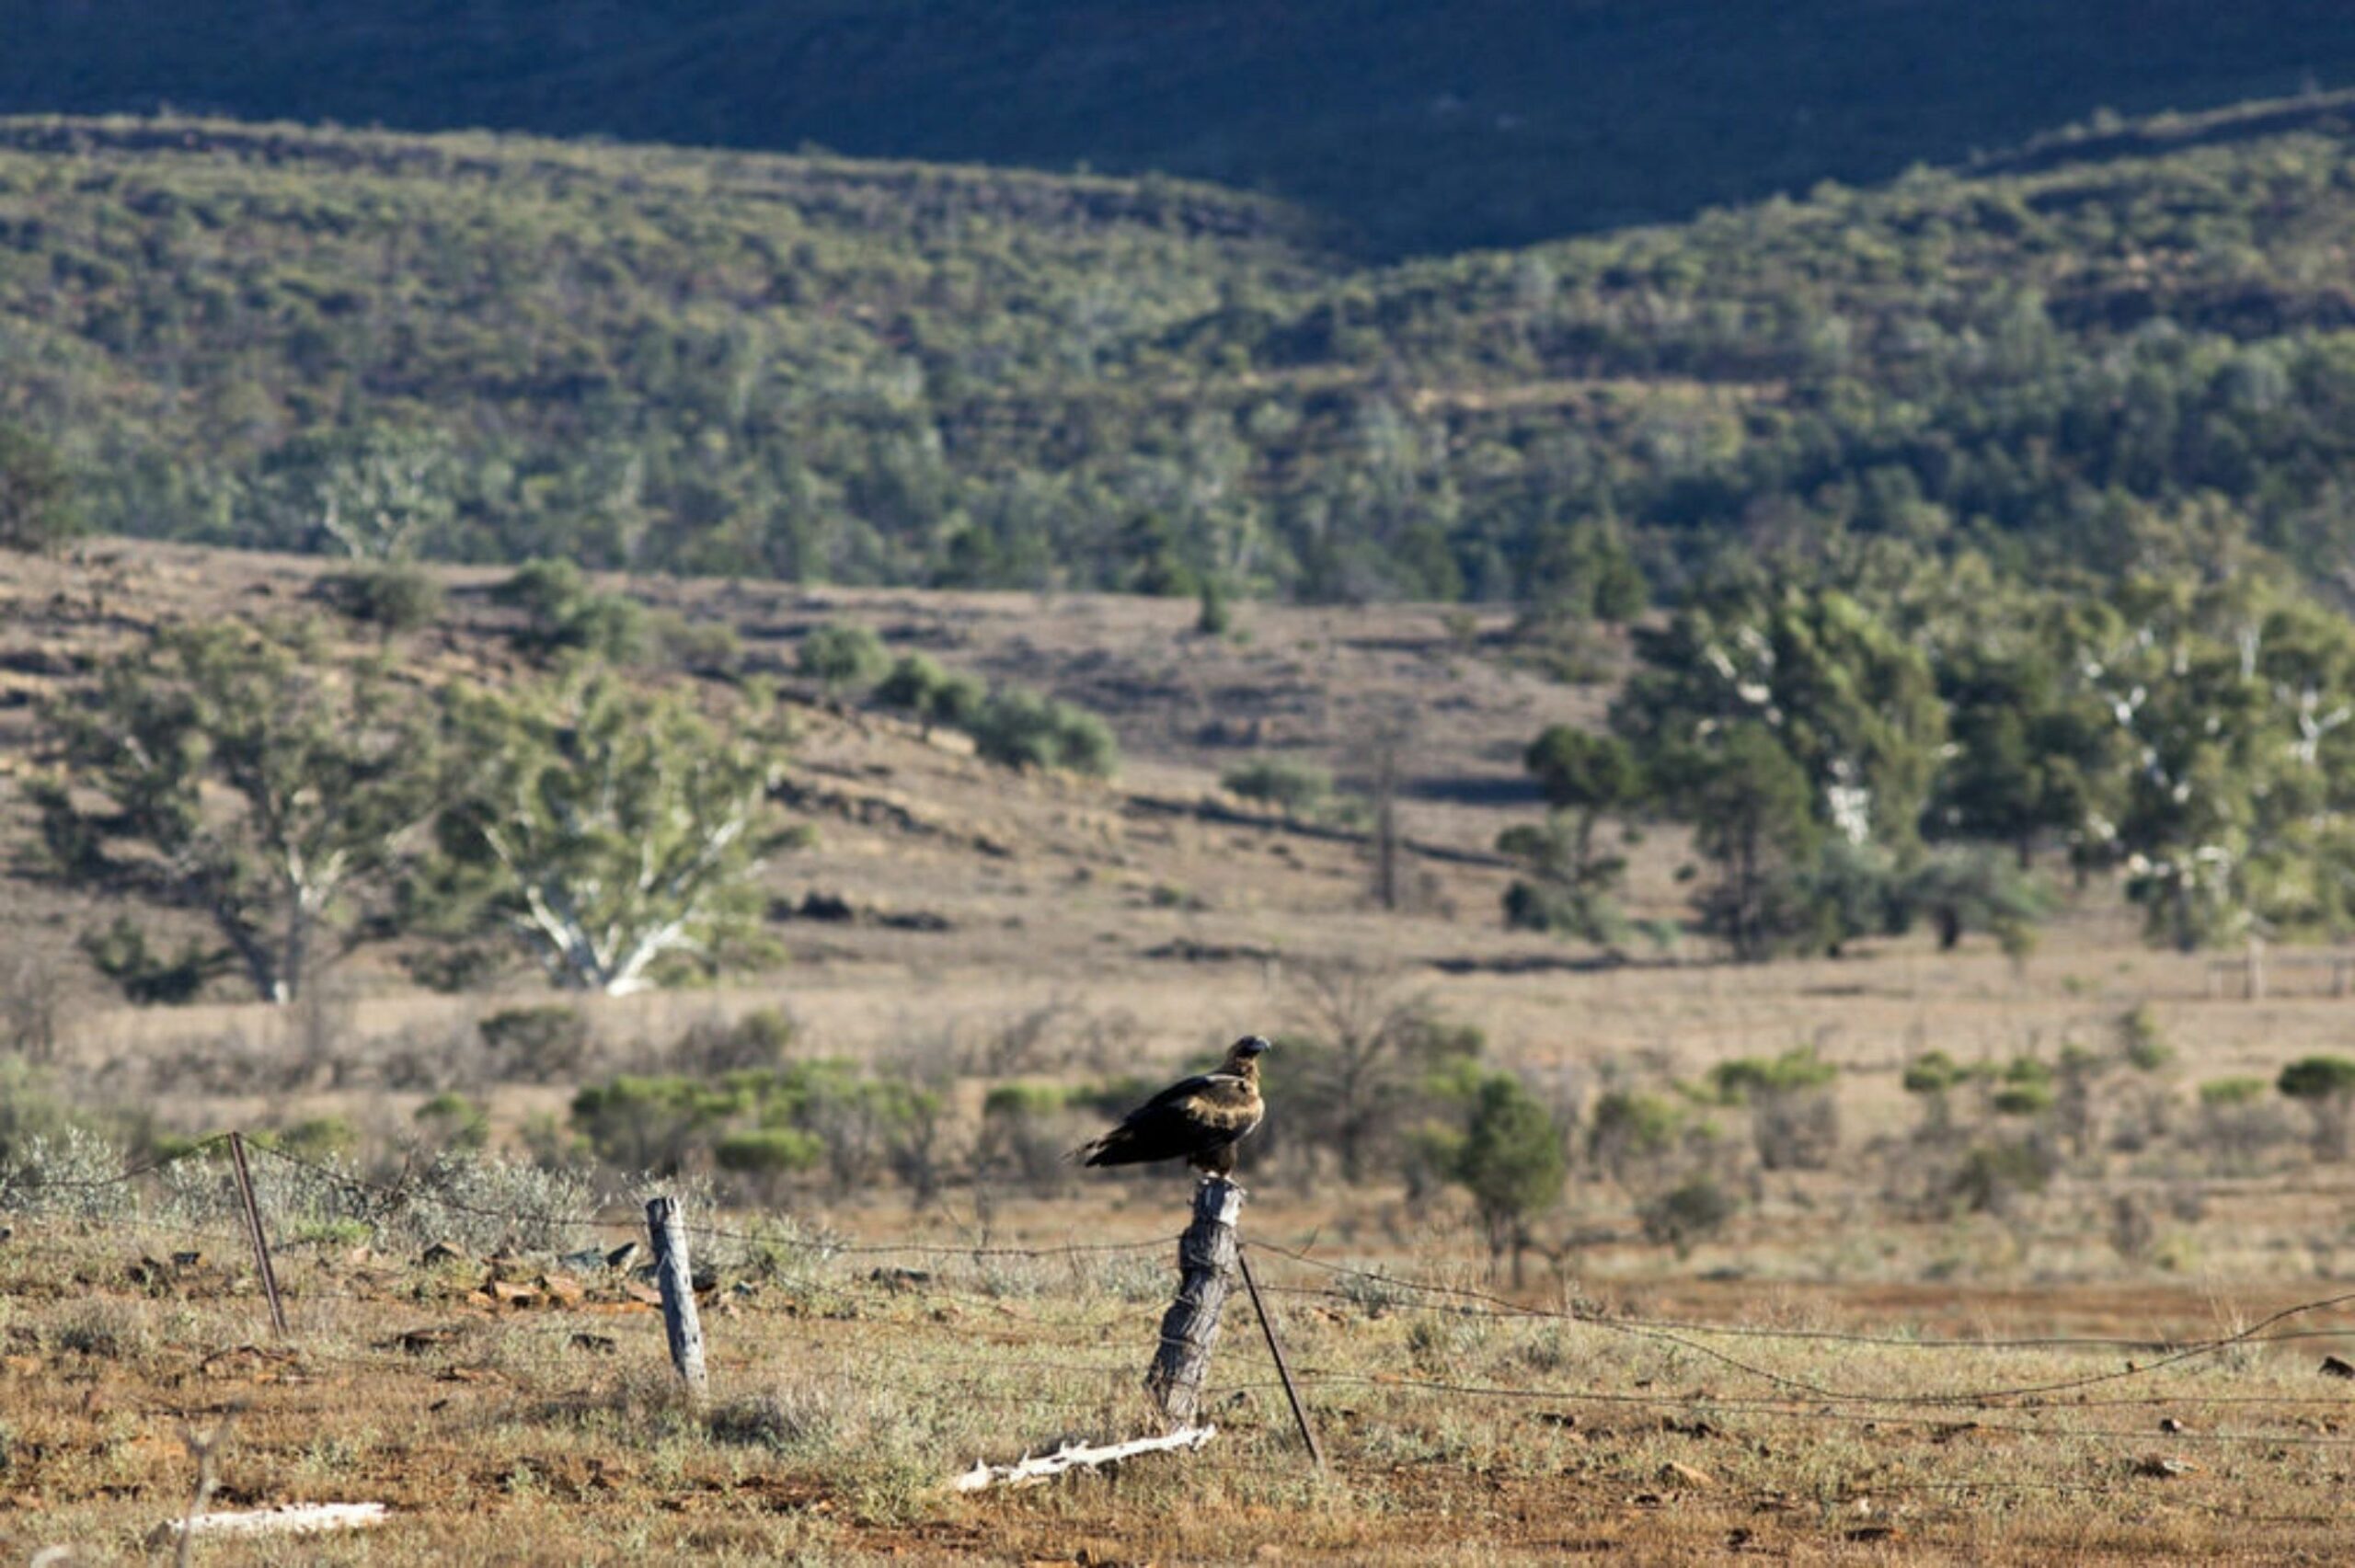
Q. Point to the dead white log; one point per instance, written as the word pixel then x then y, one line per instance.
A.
pixel 1032 1471
pixel 287 1518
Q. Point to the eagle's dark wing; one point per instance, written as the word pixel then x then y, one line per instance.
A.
pixel 1184 1121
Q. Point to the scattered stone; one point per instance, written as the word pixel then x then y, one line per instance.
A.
pixel 439 1252
pixel 1683 1475
pixel 595 1343
pixel 2336 1367
pixel 623 1256
pixel 2164 1466
pixel 562 1290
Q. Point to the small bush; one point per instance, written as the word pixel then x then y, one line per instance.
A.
pixel 2239 1121
pixel 759 1041
pixel 454 1122
pixel 2140 1041
pixel 798 1420
pixel 481 1203
pixel 564 615
pixel 700 648
pixel 66 1170
pixel 1022 728
pixel 147 977
pixel 537 1044
pixel 765 1155
pixel 1629 1132
pixel 395 598
pixel 2223 1094
pixel 862 1126
pixel 1934 1072
pixel 1993 1177
pixel 840 657
pixel 957 702
pixel 103 1329
pixel 1794 1119
pixel 1686 1215
pixel 651 1123
pixel 1026 1128
pixel 1296 789
pixel 1215 617
pixel 911 683
pixel 2325 1084
pixel 2025 1088
pixel 318 1138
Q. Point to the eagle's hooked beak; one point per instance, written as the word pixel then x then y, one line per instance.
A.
pixel 1251 1045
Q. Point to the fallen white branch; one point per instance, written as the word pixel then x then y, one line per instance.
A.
pixel 287 1518
pixel 1030 1472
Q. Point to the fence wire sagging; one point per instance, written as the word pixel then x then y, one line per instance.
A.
pixel 443 1267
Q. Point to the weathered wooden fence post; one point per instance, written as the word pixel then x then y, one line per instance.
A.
pixel 1206 1263
pixel 668 1228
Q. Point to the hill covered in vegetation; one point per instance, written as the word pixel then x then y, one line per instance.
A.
pixel 1412 127
pixel 491 348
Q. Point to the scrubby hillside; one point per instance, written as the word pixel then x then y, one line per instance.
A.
pixel 2131 344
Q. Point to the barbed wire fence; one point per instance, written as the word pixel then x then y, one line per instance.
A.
pixel 1021 1327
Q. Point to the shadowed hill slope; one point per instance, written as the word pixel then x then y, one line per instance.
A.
pixel 1417 127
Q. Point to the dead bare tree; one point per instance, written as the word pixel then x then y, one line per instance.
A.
pixel 1380 762
pixel 1365 1039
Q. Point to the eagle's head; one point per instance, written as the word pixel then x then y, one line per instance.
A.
pixel 1243 1056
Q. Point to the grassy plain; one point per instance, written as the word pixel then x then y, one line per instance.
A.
pixel 1086 928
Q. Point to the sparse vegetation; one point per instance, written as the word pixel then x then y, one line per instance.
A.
pixel 841 658
pixel 1295 788
pixel 564 617
pixel 1026 729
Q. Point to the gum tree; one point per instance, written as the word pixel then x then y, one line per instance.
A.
pixel 254 778
pixel 614 834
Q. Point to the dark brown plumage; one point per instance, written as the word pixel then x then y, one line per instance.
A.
pixel 1200 1120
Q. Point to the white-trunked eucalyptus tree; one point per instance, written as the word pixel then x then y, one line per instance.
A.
pixel 254 776
pixel 615 833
